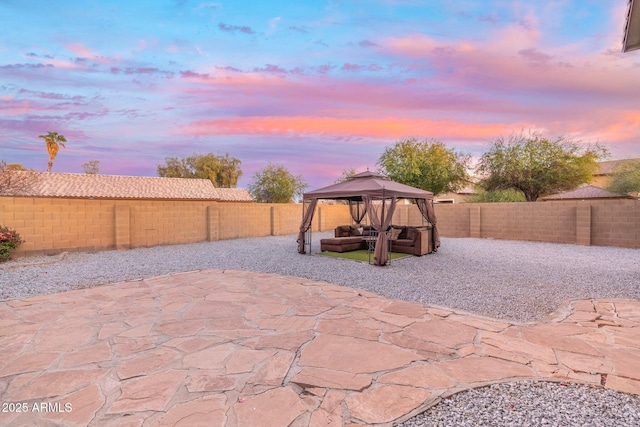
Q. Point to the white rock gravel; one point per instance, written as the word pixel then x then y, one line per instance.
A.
pixel 511 280
pixel 529 403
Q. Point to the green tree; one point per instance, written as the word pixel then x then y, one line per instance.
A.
pixel 538 166
pixel 53 140
pixel 223 170
pixel 92 167
pixel 175 167
pixel 275 184
pixel 16 167
pixel 346 174
pixel 426 164
pixel 626 178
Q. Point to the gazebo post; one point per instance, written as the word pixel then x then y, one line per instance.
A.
pixel 308 234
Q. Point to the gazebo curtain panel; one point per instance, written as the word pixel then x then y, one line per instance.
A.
pixel 380 218
pixel 358 210
pixel 307 217
pixel 428 213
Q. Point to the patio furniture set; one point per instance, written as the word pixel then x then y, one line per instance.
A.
pixel 402 239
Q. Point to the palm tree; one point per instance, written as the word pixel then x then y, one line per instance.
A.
pixel 53 139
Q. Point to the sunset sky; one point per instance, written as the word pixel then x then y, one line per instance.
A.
pixel 319 86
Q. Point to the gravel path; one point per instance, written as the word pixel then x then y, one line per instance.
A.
pixel 511 280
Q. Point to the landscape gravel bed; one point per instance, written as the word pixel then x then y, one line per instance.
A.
pixel 531 403
pixel 510 280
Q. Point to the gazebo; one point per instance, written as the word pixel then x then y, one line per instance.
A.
pixel 361 191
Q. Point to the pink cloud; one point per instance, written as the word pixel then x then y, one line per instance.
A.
pixel 232 77
pixel 388 128
pixel 13 107
pixel 512 59
pixel 84 52
pixel 80 50
pixel 318 95
pixel 48 61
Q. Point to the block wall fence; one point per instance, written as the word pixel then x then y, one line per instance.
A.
pixel 582 222
pixel 54 225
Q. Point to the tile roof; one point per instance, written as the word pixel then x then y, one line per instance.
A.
pixel 129 187
pixel 469 189
pixel 234 195
pixel 587 192
pixel 609 167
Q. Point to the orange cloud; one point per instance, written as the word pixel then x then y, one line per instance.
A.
pixel 626 127
pixel 376 127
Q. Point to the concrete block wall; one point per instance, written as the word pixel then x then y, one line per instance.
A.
pixel 286 218
pixel 328 217
pixel 51 226
pixel 615 223
pixel 239 220
pixel 54 225
pixel 583 222
pixel 162 222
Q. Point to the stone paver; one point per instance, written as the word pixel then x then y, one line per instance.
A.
pixel 237 348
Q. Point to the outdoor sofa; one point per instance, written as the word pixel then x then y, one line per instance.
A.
pixel 411 240
pixel 404 239
pixel 346 238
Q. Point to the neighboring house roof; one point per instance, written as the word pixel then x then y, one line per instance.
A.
pixel 469 189
pixel 631 40
pixel 234 195
pixel 587 192
pixel 609 167
pixel 129 187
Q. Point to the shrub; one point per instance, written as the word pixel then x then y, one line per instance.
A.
pixel 497 196
pixel 9 240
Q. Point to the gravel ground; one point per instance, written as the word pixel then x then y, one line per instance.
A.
pixel 530 403
pixel 511 280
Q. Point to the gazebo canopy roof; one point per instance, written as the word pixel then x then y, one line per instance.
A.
pixel 368 184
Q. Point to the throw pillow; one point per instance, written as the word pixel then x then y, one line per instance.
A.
pixel 411 233
pixel 403 233
pixel 395 233
pixel 342 231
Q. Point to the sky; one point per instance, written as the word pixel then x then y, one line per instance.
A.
pixel 317 86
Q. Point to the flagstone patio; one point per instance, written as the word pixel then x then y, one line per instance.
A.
pixel 237 348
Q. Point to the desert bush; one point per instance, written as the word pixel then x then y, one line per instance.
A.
pixel 9 240
pixel 497 196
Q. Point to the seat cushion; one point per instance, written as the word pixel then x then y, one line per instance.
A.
pixel 403 242
pixel 341 240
